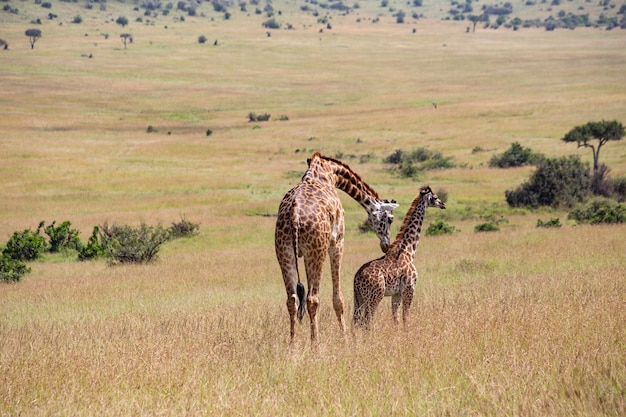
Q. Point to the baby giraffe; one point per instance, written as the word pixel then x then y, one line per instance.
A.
pixel 394 274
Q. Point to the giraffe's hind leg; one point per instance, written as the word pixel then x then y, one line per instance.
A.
pixel 314 275
pixel 335 254
pixel 291 308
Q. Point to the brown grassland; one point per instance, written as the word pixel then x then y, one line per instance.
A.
pixel 520 322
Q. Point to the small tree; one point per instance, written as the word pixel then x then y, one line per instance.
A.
pixel 125 37
pixel 122 21
pixel 603 132
pixel 475 19
pixel 400 16
pixel 33 35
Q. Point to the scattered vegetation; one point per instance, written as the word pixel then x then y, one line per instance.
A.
pixel 487 227
pixel 599 210
pixel 184 228
pixel 410 164
pixel 253 117
pixel 118 243
pixel 62 236
pixel 271 24
pixel 122 21
pixel 26 245
pixel 515 156
pixel 127 244
pixel 439 227
pixel 554 222
pixel 12 270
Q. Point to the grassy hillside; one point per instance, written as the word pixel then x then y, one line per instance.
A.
pixel 524 321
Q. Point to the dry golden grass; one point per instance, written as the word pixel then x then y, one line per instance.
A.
pixel 514 323
pixel 520 322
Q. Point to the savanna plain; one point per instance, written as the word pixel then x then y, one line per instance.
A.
pixel 525 321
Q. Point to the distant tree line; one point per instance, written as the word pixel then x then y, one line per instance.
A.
pixel 497 15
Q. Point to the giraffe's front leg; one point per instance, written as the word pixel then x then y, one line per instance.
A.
pixel 407 297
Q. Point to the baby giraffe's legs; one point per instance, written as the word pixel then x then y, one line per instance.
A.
pixel 396 300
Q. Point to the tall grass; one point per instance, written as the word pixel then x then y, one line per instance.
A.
pixel 521 324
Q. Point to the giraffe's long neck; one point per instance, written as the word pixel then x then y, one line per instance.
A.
pixel 344 179
pixel 409 235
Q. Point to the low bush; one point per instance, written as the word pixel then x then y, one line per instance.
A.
pixel 127 244
pixel 599 210
pixel 439 227
pixel 410 164
pixel 26 245
pixel 12 270
pixel 619 189
pixel 515 156
pixel 93 249
pixel 486 227
pixel 601 182
pixel 184 228
pixel 62 236
pixel 271 24
pixel 555 222
pixel 253 117
pixel 556 182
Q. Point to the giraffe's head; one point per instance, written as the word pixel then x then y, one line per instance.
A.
pixel 380 218
pixel 431 198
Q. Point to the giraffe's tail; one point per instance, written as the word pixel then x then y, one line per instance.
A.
pixel 299 287
pixel 300 292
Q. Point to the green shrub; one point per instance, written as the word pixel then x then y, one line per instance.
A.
pixel 12 269
pixel 26 245
pixel 271 24
pixel 439 227
pixel 410 164
pixel 599 210
pixel 253 117
pixel 601 182
pixel 549 223
pixel 62 236
pixel 556 182
pixel 619 189
pixel 126 244
pixel 486 227
pixel 93 249
pixel 515 156
pixel 183 228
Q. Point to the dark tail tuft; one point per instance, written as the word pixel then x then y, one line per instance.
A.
pixel 300 292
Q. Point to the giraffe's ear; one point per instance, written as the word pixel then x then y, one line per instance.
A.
pixel 389 206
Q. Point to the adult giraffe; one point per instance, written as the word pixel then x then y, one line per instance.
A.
pixel 310 224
